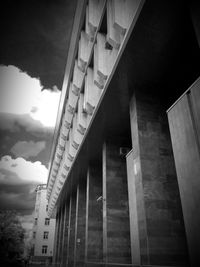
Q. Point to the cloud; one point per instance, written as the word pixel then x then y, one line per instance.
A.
pixel 9 177
pixel 22 169
pixel 46 107
pixel 17 197
pixel 18 90
pixel 18 180
pixel 21 123
pixel 21 94
pixel 27 149
pixel 27 221
pixel 8 139
pixel 13 122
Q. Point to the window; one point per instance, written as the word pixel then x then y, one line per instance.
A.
pixel 33 250
pixel 44 249
pixel 35 221
pixel 47 221
pixel 34 234
pixel 45 235
pixel 46 207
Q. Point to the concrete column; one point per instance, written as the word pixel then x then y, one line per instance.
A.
pixel 161 229
pixel 55 241
pixel 133 214
pixel 94 229
pixel 65 233
pixel 60 236
pixel 72 230
pixel 68 232
pixel 81 221
pixel 184 121
pixel 76 221
pixel 115 195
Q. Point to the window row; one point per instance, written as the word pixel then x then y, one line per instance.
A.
pixel 45 235
pixel 46 222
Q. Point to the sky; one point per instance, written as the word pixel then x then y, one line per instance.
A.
pixel 35 37
pixel 27 120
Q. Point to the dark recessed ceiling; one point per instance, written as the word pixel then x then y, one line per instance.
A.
pixel 162 55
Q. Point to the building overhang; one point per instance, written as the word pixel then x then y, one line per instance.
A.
pixel 151 57
pixel 92 60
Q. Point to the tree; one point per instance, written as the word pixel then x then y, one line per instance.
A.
pixel 11 238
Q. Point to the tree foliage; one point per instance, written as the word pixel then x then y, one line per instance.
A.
pixel 11 237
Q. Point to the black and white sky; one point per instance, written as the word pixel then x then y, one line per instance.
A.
pixel 33 51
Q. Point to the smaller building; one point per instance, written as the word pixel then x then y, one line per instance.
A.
pixel 43 229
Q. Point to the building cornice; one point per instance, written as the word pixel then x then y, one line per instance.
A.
pixel 77 109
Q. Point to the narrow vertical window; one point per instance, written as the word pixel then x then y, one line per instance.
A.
pixel 45 235
pixel 44 249
pixel 47 221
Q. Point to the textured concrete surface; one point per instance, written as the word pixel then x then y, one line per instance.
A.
pixel 118 228
pixel 162 241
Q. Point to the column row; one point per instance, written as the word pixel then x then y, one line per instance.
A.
pixel 97 229
pixel 126 209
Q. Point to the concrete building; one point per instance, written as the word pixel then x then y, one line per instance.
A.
pixel 125 164
pixel 43 229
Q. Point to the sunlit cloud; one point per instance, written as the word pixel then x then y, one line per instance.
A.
pixel 21 94
pixel 46 107
pixel 23 170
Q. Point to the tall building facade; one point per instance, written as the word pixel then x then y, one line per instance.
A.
pixel 43 229
pixel 125 165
